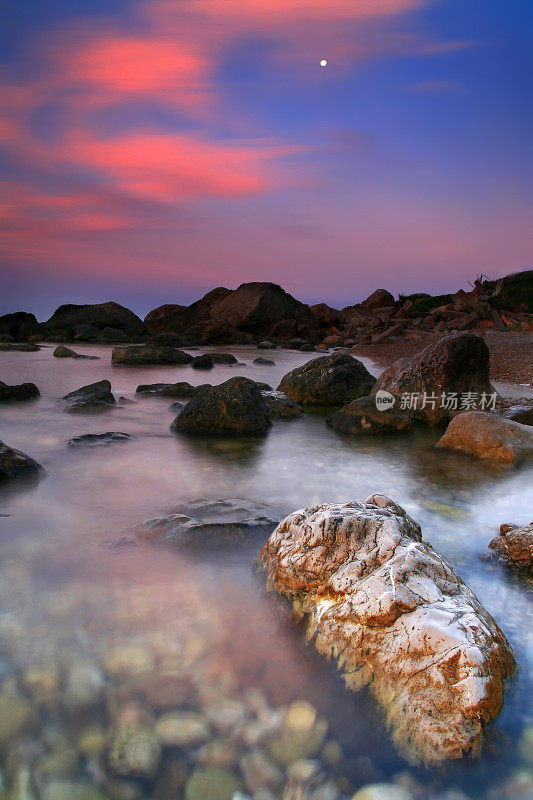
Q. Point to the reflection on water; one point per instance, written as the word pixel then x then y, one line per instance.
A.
pixel 86 627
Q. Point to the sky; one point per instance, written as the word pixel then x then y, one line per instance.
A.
pixel 153 150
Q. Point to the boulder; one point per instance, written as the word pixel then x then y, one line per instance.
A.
pixel 488 437
pixel 381 298
pixel 113 335
pixel 397 618
pixel 220 333
pixel 15 464
pixel 209 522
pixel 235 406
pixel 20 391
pixel 328 381
pixel 222 358
pixel 281 405
pixel 65 352
pixel 167 340
pixel 149 355
pixel 520 413
pixel 179 318
pixel 25 347
pixel 326 316
pixel 264 362
pixel 99 439
pixel 361 416
pixel 65 321
pixel 266 345
pixel 84 333
pixel 514 547
pixel 202 362
pixel 457 364
pixel 93 397
pixel 256 307
pixel 180 389
pixel 163 319
pixel 20 325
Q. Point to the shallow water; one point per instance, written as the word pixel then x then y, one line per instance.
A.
pixel 67 584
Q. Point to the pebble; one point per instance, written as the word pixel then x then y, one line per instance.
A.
pixel 134 752
pixel 382 791
pixel 182 729
pixel 212 783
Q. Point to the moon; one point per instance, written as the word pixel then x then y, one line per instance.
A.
pixel 323 63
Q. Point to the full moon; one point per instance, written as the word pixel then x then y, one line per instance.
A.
pixel 323 62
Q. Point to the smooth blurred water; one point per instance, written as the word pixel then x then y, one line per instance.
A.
pixel 66 583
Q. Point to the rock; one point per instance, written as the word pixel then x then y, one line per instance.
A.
pixel 93 397
pixel 99 439
pixel 383 791
pixel 167 340
pixel 266 345
pixel 381 298
pixel 84 333
pixel 225 714
pixel 362 417
pixel 72 790
pixel 184 729
pixel 301 735
pixel 181 389
pixel 134 752
pixel 263 387
pixel 222 358
pixel 218 753
pixel 328 381
pixel 148 355
pixel 17 716
pixel 20 348
pixel 208 522
pixel 256 307
pixel 235 406
pixel 84 687
pixel 15 464
pixel 326 316
pixel 454 364
pixel 112 335
pixel 307 348
pixel 280 405
pixel 525 746
pixel 333 341
pixel 65 352
pixel 219 333
pixel 20 325
pixel 65 321
pixel 264 362
pixel 179 318
pixel 514 546
pixel 212 783
pixel 202 362
pixel 164 319
pixel 260 772
pixel 520 413
pixel 488 437
pixel 21 391
pixel 397 618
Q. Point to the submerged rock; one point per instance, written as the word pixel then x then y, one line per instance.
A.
pixel 264 362
pixel 65 352
pixel 488 437
pixel 328 381
pixel 149 355
pixel 280 404
pixel 182 729
pixel 397 618
pixel 99 439
pixel 456 364
pixel 222 358
pixel 362 416
pixel 514 546
pixel 212 783
pixel 202 522
pixel 21 348
pixel 93 397
pixel 202 362
pixel 20 391
pixel 235 406
pixel 15 464
pixel 134 752
pixel 181 389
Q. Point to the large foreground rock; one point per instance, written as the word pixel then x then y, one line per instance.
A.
pixel 488 437
pixel 65 322
pixel 235 406
pixel 19 391
pixel 454 364
pixel 15 464
pixel 362 417
pixel 328 381
pixel 149 355
pixel 397 618
pixel 93 397
pixel 514 547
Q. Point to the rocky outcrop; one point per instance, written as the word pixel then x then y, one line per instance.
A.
pixel 362 417
pixel 99 439
pixel 149 355
pixel 208 522
pixel 65 352
pixel 177 319
pixel 514 547
pixel 281 405
pixel 235 406
pixel 326 316
pixel 93 397
pixel 15 464
pixel 20 391
pixel 488 437
pixel 20 325
pixel 397 618
pixel 328 381
pixel 180 389
pixel 257 307
pixel 65 321
pixel 381 298
pixel 453 364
